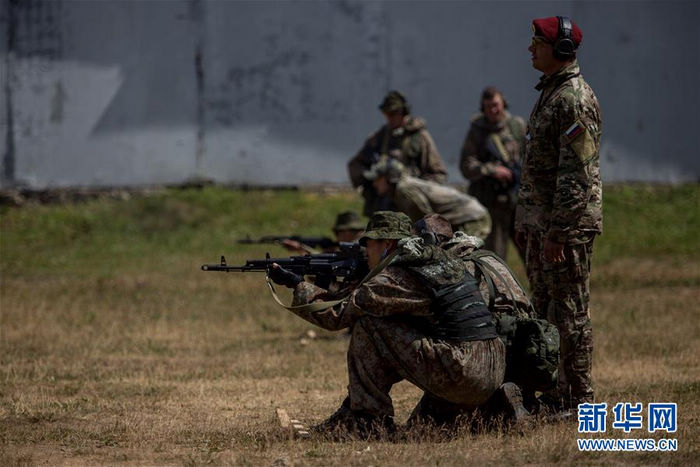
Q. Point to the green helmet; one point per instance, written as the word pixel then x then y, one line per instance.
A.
pixel 394 101
pixel 349 220
pixel 387 225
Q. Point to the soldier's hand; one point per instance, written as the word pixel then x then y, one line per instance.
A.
pixel 503 174
pixel 553 252
pixel 281 276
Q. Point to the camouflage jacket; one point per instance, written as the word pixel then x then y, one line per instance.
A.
pixel 410 144
pixel 401 290
pixel 477 160
pixel 560 193
pixel 416 198
pixel 509 297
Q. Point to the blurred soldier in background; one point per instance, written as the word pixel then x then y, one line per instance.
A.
pixel 559 203
pixel 348 228
pixel 416 198
pixel 491 161
pixel 404 138
pixel 419 318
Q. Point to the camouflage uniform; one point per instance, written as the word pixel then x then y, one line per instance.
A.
pixel 486 146
pixel 391 317
pixel 560 199
pixel 410 144
pixel 416 198
pixel 510 298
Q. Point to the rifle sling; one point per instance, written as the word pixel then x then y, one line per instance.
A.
pixel 323 305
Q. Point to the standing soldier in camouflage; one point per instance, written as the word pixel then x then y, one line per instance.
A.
pixel 416 198
pixel 420 318
pixel 490 160
pixel 404 138
pixel 559 206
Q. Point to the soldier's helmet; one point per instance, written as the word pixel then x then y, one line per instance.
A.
pixel 394 101
pixel 433 228
pixel 348 220
pixel 385 166
pixel 387 225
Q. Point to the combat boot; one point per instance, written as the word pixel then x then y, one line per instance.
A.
pixel 511 402
pixel 347 425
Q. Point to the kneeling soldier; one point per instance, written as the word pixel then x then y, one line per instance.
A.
pixel 419 318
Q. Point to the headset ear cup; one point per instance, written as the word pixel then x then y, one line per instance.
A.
pixel 564 47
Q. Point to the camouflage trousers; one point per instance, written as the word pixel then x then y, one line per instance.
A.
pixel 477 228
pixel 384 351
pixel 560 294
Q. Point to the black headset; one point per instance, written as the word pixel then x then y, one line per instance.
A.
pixel 429 237
pixel 564 47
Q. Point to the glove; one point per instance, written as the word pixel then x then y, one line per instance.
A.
pixel 281 276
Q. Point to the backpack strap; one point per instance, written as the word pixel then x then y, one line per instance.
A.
pixel 486 270
pixel 479 266
pixel 477 257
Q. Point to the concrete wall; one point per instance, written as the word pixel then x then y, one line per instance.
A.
pixel 144 92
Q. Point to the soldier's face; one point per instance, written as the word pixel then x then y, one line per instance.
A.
pixel 494 109
pixel 542 56
pixel 393 119
pixel 377 251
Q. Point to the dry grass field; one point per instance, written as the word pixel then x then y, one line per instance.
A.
pixel 116 349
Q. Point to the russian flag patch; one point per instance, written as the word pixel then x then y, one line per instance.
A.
pixel 574 130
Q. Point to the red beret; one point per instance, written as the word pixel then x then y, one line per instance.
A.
pixel 549 29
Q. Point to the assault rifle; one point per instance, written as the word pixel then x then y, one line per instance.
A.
pixel 349 263
pixel 494 154
pixel 313 242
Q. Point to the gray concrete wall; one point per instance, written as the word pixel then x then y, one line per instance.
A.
pixel 284 92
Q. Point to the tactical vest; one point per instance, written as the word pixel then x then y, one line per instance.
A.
pixel 460 313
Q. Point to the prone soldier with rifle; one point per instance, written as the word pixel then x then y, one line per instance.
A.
pixel 348 228
pixel 310 242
